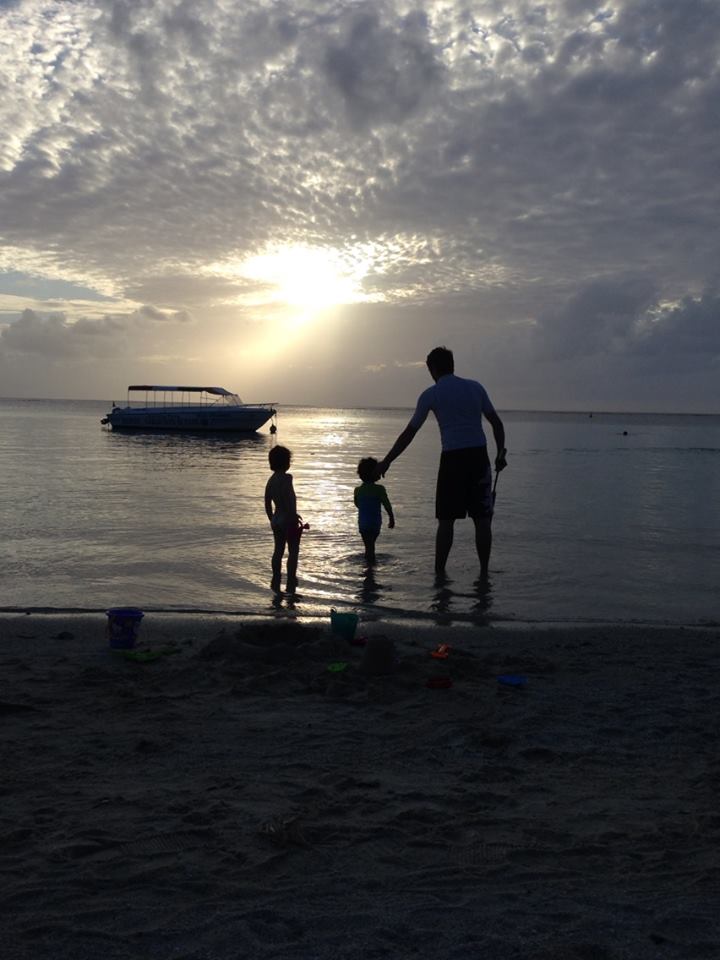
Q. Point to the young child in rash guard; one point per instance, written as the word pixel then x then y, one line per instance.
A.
pixel 284 520
pixel 369 497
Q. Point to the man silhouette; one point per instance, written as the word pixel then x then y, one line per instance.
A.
pixel 464 482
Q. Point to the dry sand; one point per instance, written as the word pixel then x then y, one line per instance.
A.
pixel 238 799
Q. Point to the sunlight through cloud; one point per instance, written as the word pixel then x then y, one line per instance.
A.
pixel 305 279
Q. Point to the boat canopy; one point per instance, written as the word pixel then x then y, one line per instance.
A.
pixel 218 391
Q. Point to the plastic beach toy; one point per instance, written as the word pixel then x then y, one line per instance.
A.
pixel 338 666
pixel 143 656
pixel 295 529
pixel 123 627
pixel 442 652
pixel 512 680
pixel 343 624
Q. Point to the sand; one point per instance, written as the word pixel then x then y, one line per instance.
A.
pixel 236 798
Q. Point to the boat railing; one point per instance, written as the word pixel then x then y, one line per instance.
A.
pixel 153 401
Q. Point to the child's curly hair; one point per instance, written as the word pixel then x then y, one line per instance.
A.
pixel 280 458
pixel 367 469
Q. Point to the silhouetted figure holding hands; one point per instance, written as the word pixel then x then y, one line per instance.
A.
pixel 369 497
pixel 464 482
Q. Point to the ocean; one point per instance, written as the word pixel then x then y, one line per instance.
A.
pixel 602 518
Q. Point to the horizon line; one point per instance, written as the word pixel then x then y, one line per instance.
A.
pixel 588 412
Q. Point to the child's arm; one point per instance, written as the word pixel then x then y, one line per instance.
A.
pixel 292 500
pixel 268 503
pixel 385 500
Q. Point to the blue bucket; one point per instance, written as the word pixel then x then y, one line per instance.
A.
pixel 343 624
pixel 123 627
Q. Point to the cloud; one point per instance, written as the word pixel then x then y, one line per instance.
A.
pixel 155 315
pixel 624 316
pixel 550 141
pixel 543 174
pixel 689 329
pixel 600 317
pixel 190 290
pixel 57 338
pixel 382 71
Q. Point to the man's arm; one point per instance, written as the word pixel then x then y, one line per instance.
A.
pixel 422 408
pixel 402 442
pixel 499 434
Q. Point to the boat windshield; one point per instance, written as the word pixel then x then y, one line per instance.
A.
pixel 161 396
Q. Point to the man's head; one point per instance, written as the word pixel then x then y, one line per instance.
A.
pixel 439 362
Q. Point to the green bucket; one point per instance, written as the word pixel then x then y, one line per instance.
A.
pixel 343 624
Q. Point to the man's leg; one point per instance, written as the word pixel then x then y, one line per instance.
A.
pixel 443 543
pixel 483 542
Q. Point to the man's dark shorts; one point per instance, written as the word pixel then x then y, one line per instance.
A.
pixel 464 484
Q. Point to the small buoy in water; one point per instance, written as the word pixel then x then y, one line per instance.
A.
pixel 273 428
pixel 625 433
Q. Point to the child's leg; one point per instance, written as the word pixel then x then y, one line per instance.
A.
pixel 276 562
pixel 292 562
pixel 369 537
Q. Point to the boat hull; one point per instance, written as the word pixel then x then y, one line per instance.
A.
pixel 246 419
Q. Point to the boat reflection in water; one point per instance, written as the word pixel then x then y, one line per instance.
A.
pixel 188 408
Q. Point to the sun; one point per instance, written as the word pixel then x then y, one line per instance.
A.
pixel 309 279
pixel 303 280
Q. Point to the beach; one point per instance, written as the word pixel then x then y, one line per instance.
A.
pixel 234 791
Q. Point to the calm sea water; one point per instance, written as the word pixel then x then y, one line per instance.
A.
pixel 591 523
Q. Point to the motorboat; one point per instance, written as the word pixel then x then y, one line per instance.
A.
pixel 187 408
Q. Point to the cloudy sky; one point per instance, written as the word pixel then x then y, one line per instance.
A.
pixel 298 199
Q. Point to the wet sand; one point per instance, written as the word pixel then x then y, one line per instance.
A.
pixel 236 798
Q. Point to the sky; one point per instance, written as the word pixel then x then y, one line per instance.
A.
pixel 297 200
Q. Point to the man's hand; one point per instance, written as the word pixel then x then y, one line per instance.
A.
pixel 400 444
pixel 381 470
pixel 391 523
pixel 500 460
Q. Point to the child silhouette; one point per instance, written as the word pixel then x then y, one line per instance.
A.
pixel 369 497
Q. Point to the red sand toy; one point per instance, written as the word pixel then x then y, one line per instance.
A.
pixel 442 652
